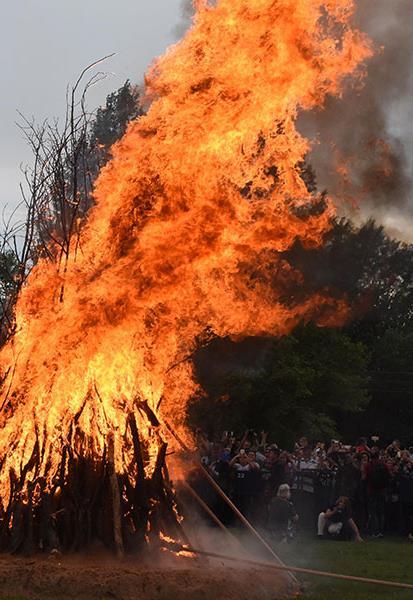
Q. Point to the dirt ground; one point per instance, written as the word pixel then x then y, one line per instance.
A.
pixel 100 578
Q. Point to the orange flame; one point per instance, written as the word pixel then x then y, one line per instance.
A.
pixel 202 196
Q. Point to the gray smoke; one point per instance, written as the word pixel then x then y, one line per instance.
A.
pixel 370 130
pixel 187 12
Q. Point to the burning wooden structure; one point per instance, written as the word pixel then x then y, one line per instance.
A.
pixel 193 216
pixel 89 501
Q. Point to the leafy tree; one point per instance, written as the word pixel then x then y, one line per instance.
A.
pixel 9 286
pixel 390 412
pixel 303 383
pixel 363 264
pixel 375 272
pixel 111 121
pixel 307 382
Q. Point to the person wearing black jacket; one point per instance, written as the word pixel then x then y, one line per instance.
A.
pixel 406 494
pixel 282 514
pixel 378 478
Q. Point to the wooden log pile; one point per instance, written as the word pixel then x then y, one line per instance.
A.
pixel 90 504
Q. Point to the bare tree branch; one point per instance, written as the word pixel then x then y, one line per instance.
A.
pixel 56 195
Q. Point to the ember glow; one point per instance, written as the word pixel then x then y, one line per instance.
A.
pixel 192 214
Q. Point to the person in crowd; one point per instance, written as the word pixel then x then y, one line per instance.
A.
pixel 393 512
pixel 361 505
pixel 220 469
pixel 374 440
pixel 278 470
pixel 289 470
pixel 378 478
pixel 406 492
pixel 324 484
pixel 333 452
pixel 361 446
pixel 394 449
pixel 203 445
pixel 282 515
pixel 246 476
pixel 320 450
pixel 306 459
pixel 337 522
pixel 347 477
pixel 301 444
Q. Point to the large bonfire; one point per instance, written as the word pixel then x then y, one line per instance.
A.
pixel 203 196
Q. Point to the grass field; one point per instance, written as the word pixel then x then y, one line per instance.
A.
pixel 381 559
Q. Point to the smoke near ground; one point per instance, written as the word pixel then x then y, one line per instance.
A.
pixel 97 577
pixel 365 144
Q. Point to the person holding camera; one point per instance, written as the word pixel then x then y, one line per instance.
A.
pixel 337 522
pixel 246 480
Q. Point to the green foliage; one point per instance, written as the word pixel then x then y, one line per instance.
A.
pixel 366 266
pixel 393 351
pixel 9 287
pixel 111 120
pixel 296 385
pixel 391 411
pixel 376 272
pixel 9 267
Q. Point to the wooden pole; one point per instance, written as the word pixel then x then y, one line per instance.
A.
pixel 229 502
pixel 241 517
pixel 268 565
pixel 116 504
pixel 211 513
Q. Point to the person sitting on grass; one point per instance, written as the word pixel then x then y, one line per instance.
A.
pixel 282 515
pixel 337 522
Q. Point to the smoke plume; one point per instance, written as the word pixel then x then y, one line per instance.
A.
pixel 365 149
pixel 366 142
pixel 187 12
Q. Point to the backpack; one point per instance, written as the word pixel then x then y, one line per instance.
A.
pixel 379 476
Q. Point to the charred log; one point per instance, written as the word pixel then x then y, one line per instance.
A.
pixel 89 501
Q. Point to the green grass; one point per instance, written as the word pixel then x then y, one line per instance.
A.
pixel 380 559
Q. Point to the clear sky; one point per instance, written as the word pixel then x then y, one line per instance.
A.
pixel 44 45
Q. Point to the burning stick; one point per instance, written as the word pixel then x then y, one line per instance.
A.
pixel 116 504
pixel 210 513
pixel 239 514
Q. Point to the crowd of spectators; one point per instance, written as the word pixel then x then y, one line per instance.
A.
pixel 371 483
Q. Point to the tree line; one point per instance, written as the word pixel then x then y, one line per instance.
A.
pixel 325 382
